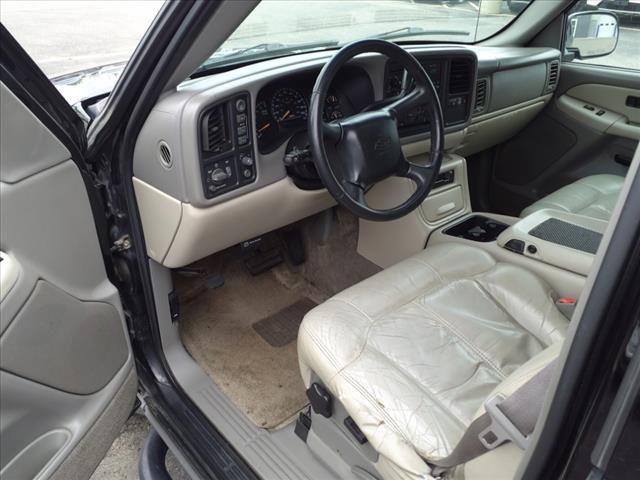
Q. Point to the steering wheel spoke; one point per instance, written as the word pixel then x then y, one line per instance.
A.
pixel 421 174
pixel 413 99
pixel 355 191
pixel 332 131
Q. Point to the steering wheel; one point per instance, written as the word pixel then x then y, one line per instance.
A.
pixel 354 153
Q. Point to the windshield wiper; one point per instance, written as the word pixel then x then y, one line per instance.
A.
pixel 412 31
pixel 258 48
pixel 262 50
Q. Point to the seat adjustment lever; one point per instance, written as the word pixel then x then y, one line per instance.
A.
pixel 320 400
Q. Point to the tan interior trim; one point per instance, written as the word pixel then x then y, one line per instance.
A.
pixel 497 127
pixel 549 252
pixel 564 282
pixel 512 108
pixel 160 214
pixel 203 231
pixel 608 97
pixel 178 234
pixel 422 146
pixel 575 108
pixel 386 243
pixel 615 118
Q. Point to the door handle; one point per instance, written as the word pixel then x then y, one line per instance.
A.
pixel 622 159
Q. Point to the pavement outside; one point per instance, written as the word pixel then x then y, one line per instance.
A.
pixel 121 462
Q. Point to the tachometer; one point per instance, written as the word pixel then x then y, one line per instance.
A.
pixel 288 106
pixel 266 126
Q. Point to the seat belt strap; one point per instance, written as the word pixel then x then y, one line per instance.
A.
pixel 511 418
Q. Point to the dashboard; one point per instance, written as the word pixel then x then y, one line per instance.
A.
pixel 282 107
pixel 224 158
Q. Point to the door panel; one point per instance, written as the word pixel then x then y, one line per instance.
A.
pixel 67 377
pixel 605 108
pixel 567 141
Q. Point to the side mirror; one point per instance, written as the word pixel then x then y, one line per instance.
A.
pixel 591 34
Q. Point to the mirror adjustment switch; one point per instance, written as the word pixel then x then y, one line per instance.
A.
pixel 320 400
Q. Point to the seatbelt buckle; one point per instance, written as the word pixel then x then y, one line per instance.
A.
pixel 501 428
pixel 566 305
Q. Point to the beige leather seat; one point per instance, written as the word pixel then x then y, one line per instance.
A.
pixel 414 351
pixel 593 196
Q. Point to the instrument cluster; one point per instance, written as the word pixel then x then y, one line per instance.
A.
pixel 282 107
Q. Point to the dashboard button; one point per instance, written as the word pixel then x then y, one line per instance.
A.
pixel 247 173
pixel 246 160
pixel 241 105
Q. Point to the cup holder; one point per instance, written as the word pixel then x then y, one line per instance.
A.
pixel 477 228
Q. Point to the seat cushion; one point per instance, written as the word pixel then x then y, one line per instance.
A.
pixel 413 351
pixel 593 196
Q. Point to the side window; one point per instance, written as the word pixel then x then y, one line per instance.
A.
pixel 81 45
pixel 626 53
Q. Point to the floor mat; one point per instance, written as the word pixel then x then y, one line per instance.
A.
pixel 281 328
pixel 243 333
pixel 217 329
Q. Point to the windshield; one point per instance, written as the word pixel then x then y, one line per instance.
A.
pixel 279 27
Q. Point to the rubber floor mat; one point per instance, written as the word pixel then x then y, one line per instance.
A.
pixel 281 328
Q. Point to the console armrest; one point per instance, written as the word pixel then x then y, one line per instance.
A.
pixel 562 239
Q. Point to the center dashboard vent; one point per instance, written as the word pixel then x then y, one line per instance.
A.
pixel 460 76
pixel 553 72
pixel 216 136
pixel 481 96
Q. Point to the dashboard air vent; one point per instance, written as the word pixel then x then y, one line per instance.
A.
pixel 552 75
pixel 216 138
pixel 481 96
pixel 461 76
pixel 165 155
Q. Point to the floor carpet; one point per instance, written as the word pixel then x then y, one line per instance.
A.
pixel 243 333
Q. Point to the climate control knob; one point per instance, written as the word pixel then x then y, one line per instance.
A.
pixel 218 176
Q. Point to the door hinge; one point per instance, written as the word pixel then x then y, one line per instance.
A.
pixel 121 244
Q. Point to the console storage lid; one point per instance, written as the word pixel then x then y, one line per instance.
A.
pixel 562 239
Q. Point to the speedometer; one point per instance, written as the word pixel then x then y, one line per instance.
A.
pixel 288 106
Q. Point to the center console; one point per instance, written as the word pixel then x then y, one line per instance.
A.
pixel 477 228
pixel 562 239
pixel 557 246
